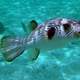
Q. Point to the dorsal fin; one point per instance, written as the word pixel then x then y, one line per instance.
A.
pixel 28 28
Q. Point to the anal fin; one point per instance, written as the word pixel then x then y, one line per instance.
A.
pixel 33 54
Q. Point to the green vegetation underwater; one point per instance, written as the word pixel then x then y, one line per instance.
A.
pixel 60 64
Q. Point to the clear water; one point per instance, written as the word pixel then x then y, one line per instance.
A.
pixel 61 64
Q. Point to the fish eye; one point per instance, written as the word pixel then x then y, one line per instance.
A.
pixel 51 32
pixel 67 27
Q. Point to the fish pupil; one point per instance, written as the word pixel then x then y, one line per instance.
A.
pixel 51 33
pixel 67 27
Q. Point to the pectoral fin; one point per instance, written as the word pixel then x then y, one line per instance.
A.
pixel 28 28
pixel 33 54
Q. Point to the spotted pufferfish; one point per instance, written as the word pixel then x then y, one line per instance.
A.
pixel 52 34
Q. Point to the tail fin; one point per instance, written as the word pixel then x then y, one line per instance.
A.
pixel 11 47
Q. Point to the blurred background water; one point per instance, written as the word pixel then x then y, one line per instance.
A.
pixel 61 64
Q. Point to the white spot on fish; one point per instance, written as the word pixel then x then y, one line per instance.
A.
pixel 64 21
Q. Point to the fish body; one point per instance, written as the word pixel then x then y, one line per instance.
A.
pixel 53 34
pixel 66 30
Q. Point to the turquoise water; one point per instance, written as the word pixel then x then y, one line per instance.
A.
pixel 61 64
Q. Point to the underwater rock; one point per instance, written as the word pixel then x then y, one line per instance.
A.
pixel 2 28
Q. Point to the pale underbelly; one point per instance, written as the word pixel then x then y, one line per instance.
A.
pixel 52 44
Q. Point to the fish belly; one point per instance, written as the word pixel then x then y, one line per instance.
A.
pixel 52 44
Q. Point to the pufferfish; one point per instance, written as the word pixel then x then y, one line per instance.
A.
pixel 52 34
